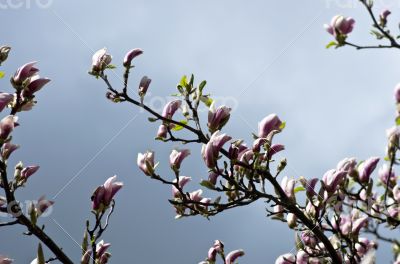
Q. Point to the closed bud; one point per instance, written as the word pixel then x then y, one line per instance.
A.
pixel 291 220
pixel 217 118
pixel 144 86
pixel 269 124
pixel 145 162
pixel 233 255
pixel 5 100
pixel 176 157
pixel 100 61
pixel 4 51
pixel 130 55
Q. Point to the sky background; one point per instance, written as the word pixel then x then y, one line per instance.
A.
pixel 258 56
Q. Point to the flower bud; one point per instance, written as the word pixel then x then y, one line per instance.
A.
pixel 145 162
pixel 217 118
pixel 162 131
pixel 288 187
pixel 101 248
pixel 383 17
pixel 332 179
pixel 196 195
pixel 100 61
pixel 42 205
pixel 35 84
pixel 28 171
pixel 4 51
pixel 5 99
pixel 212 255
pixel 176 158
pixel 268 124
pixel 104 194
pixel 233 255
pixel 170 108
pixel 130 55
pixel 210 151
pixel 7 125
pixel 366 168
pixel 144 86
pixel 291 220
pixel 384 176
pixel 86 257
pixel 23 73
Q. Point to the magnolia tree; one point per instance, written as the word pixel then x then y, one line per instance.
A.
pixel 337 218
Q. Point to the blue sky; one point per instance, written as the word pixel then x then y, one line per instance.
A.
pixel 261 56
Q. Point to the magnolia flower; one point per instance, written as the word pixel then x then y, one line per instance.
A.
pixel 23 73
pixel 358 224
pixel 348 165
pixel 213 176
pixel 130 55
pixel 236 148
pixel 5 260
pixel 5 99
pixel 218 245
pixel 396 193
pixel 302 257
pixel 233 255
pixel 366 168
pixel 309 185
pixel 210 151
pixel 86 257
pixel 104 194
pixel 145 162
pixel 269 124
pixel 35 84
pixel 28 171
pixel 196 195
pixel 170 108
pixel 183 180
pixel 384 177
pixel 288 187
pixel 217 118
pixel 7 125
pixel 144 86
pixel 332 179
pixel 4 50
pixel 42 205
pixel 308 238
pixel 340 25
pixel 212 254
pixel 287 258
pixel 275 149
pixel 176 158
pixel 101 248
pixel 100 61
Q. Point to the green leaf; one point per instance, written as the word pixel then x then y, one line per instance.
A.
pixel 282 126
pixel 331 44
pixel 183 81
pixel 201 85
pixel 207 184
pixel 111 66
pixel 299 189
pixel 191 80
pixel 152 119
pixel 179 127
pixel 398 120
pixel 2 74
pixel 206 100
pixel 40 255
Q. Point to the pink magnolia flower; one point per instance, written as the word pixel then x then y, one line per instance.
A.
pixel 130 55
pixel 101 248
pixel 42 205
pixel 358 224
pixel 35 84
pixel 366 168
pixel 5 99
pixel 100 61
pixel 217 118
pixel 348 165
pixel 287 258
pixel 144 86
pixel 269 124
pixel 384 15
pixel 86 257
pixel 302 257
pixel 28 171
pixel 236 148
pixel 176 158
pixel 213 176
pixel 5 260
pixel 210 151
pixel 24 72
pixel 309 185
pixel 104 194
pixel 8 149
pixel 332 179
pixel 396 193
pixel 196 195
pixel 218 245
pixel 233 255
pixel 275 149
pixel 170 108
pixel 288 187
pixel 212 254
pixel 340 24
pixel 383 174
pixel 183 180
pixel 7 125
pixel 145 162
